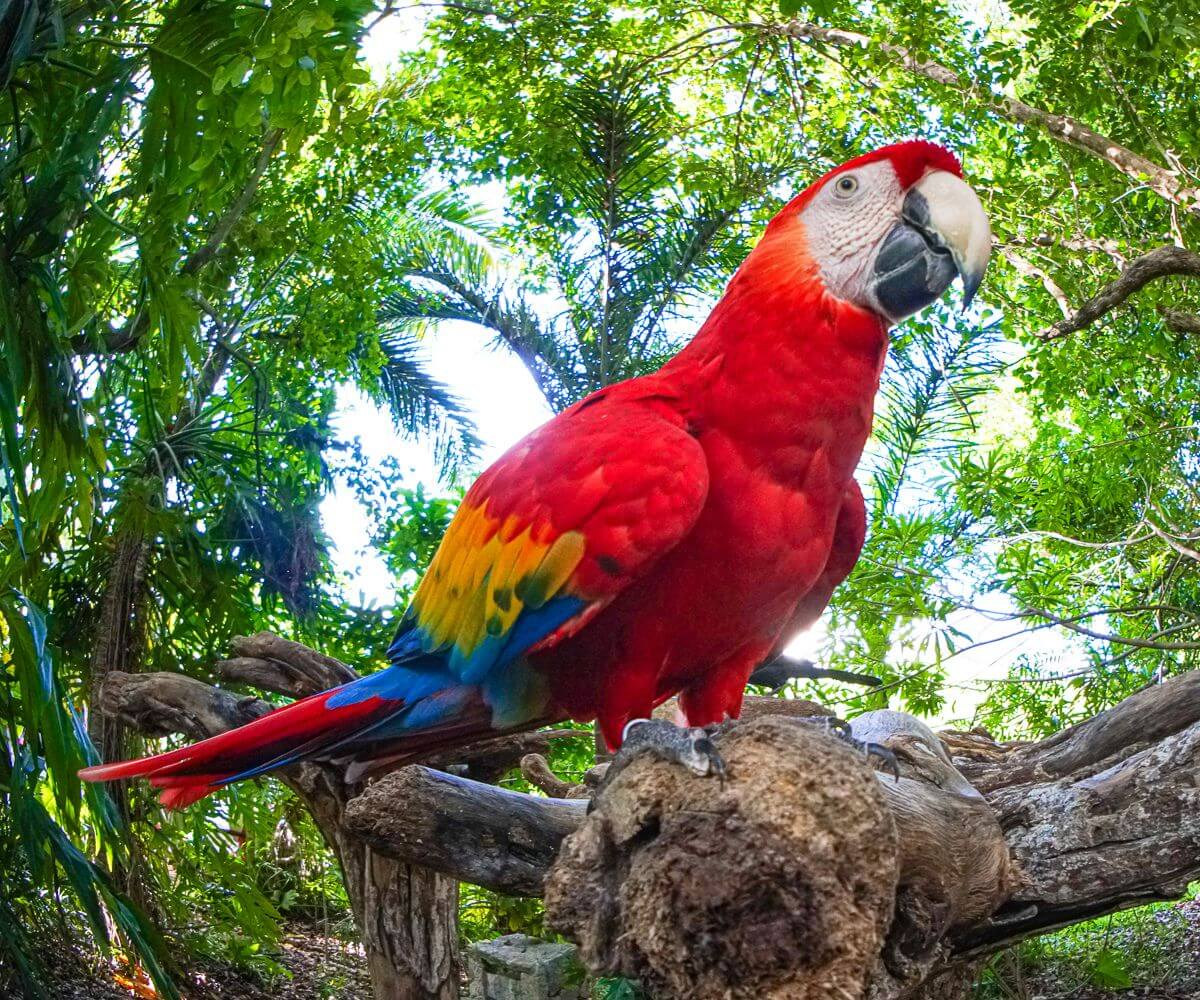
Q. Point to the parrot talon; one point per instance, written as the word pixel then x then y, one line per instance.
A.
pixel 839 727
pixel 691 748
pixel 890 763
pixel 831 724
pixel 843 731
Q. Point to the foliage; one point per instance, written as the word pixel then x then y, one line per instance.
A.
pixel 195 196
pixel 1151 948
pixel 607 130
pixel 617 989
pixel 36 836
pixel 212 217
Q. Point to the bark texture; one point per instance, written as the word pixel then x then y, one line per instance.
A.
pixel 478 833
pixel 805 873
pixel 119 631
pixel 778 882
pixel 406 913
pixel 118 646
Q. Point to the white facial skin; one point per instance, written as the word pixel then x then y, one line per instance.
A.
pixel 853 213
pixel 844 225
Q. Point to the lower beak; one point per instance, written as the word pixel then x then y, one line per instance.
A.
pixel 943 231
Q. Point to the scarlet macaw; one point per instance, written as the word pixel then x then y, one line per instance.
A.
pixel 667 533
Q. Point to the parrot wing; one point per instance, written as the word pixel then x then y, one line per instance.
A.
pixel 553 531
pixel 547 537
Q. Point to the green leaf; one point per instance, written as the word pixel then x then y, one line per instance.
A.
pixel 1109 971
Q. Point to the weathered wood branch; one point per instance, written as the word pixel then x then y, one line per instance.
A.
pixel 266 661
pixel 478 833
pixel 803 873
pixel 1163 262
pixel 1163 181
pixel 784 877
pixel 1140 721
pixel 163 704
pixel 1090 845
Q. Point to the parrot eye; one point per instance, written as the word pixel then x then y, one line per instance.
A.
pixel 846 186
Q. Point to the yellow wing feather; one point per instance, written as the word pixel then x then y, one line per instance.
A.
pixel 485 573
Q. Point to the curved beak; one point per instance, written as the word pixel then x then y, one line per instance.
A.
pixel 943 231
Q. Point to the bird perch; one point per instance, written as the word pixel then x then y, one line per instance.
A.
pixel 805 873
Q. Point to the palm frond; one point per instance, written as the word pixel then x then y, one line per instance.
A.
pixel 418 402
pixel 44 739
pixel 448 268
pixel 648 241
pixel 938 370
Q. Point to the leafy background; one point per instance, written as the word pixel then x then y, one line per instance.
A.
pixel 213 218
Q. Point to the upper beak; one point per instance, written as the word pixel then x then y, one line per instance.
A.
pixel 943 231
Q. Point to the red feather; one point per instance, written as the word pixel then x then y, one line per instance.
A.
pixel 716 506
pixel 911 160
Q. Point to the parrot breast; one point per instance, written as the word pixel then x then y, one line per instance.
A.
pixel 778 390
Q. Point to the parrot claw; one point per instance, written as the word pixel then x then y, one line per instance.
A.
pixel 839 727
pixel 843 731
pixel 691 748
pixel 890 764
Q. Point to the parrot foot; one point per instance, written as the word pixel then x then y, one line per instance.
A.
pixel 843 731
pixel 691 748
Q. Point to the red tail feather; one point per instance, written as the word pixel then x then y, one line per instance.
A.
pixel 306 729
pixel 302 728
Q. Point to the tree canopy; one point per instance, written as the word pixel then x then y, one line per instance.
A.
pixel 214 214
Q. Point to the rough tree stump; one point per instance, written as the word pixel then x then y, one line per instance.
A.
pixel 777 882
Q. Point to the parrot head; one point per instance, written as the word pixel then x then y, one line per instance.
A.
pixel 890 230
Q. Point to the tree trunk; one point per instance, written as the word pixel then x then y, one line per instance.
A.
pixel 119 643
pixel 120 633
pixel 407 915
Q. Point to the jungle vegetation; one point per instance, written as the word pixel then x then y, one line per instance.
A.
pixel 215 213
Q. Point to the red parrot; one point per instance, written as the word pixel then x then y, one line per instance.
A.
pixel 667 533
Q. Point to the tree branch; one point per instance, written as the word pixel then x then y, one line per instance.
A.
pixel 1071 624
pixel 1180 321
pixel 478 833
pixel 237 208
pixel 1110 248
pixel 1159 263
pixel 776 672
pixel 802 873
pixel 1147 717
pixel 162 704
pixel 1091 845
pixel 1174 543
pixel 1031 270
pixel 1162 180
pixel 266 661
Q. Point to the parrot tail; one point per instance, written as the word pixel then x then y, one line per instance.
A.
pixel 393 715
